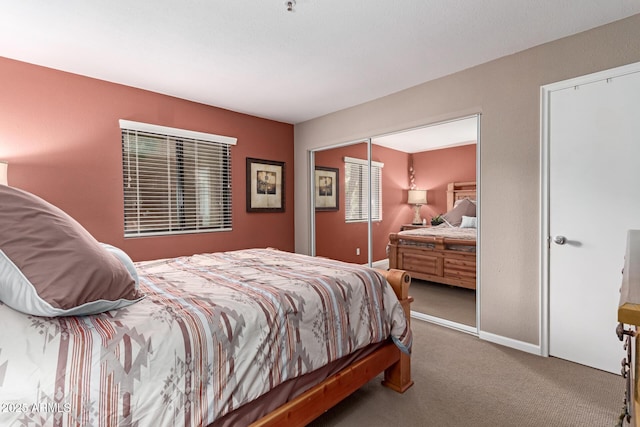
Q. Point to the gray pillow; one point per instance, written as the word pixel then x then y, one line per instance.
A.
pixel 51 266
pixel 454 217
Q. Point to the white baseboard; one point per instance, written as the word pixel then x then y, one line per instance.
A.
pixel 509 342
pixel 444 322
pixel 383 264
pixel 486 336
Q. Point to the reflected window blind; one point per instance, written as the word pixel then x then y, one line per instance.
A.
pixel 356 172
pixel 175 181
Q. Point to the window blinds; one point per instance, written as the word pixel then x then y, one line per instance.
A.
pixel 174 182
pixel 356 189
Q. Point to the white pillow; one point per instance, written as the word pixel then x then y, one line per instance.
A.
pixel 469 222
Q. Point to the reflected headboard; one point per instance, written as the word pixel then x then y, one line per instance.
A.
pixel 459 191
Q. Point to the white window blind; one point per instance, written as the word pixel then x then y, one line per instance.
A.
pixel 356 172
pixel 175 181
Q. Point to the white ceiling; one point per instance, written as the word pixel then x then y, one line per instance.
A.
pixel 254 57
pixel 440 135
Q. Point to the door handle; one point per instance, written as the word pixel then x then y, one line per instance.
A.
pixel 559 240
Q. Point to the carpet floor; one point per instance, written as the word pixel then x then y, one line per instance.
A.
pixel 461 380
pixel 444 301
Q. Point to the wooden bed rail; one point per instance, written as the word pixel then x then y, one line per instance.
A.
pixel 398 376
pixel 395 364
pixel 399 280
pixel 437 262
pixel 439 242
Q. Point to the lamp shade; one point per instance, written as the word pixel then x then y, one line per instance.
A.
pixel 3 172
pixel 417 197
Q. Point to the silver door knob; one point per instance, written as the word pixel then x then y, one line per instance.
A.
pixel 559 240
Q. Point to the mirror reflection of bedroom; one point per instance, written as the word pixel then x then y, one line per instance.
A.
pixel 423 213
pixel 340 219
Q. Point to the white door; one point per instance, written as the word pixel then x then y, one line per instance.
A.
pixel 594 198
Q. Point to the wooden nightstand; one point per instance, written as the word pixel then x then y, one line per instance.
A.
pixel 413 226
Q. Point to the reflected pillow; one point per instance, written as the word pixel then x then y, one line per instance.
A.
pixel 469 222
pixel 457 202
pixel 51 266
pixel 454 217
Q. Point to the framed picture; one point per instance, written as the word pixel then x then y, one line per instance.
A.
pixel 326 189
pixel 265 185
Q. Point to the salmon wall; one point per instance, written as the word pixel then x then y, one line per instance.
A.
pixel 61 136
pixel 433 171
pixel 339 240
pixel 436 168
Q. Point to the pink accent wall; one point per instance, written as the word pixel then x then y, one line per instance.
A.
pixel 436 168
pixel 433 171
pixel 61 136
pixel 337 239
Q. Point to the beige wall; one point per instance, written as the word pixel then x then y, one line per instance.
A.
pixel 507 94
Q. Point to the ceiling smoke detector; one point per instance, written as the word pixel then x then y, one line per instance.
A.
pixel 290 4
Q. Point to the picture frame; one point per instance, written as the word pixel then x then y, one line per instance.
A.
pixel 327 188
pixel 265 185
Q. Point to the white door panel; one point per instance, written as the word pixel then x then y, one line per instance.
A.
pixel 594 198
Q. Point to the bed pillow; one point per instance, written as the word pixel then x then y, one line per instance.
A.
pixel 469 222
pixel 457 202
pixel 51 266
pixel 125 260
pixel 454 217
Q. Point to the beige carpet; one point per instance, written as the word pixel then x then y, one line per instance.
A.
pixel 444 301
pixel 463 381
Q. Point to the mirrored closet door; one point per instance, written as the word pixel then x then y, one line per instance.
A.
pixel 441 162
pixel 441 175
pixel 341 196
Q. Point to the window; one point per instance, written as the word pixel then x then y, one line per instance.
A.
pixel 356 172
pixel 175 181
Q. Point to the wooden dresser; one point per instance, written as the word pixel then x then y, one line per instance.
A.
pixel 628 327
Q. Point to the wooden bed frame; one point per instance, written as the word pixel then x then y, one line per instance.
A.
pixel 317 400
pixel 438 264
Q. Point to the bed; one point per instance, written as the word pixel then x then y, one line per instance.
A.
pixel 256 337
pixel 442 254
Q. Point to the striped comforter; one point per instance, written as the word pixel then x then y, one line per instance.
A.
pixel 214 331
